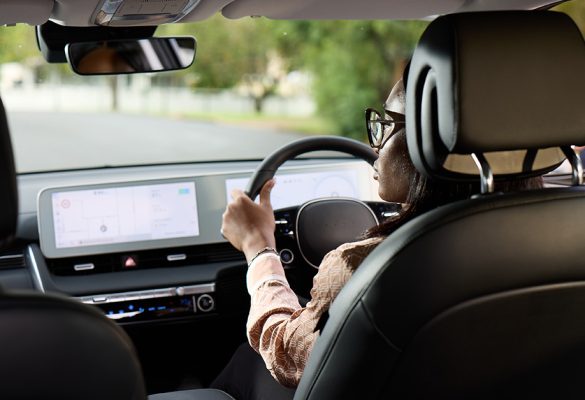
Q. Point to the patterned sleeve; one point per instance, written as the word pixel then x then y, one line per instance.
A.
pixel 281 330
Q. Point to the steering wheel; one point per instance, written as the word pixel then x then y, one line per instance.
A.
pixel 270 165
pixel 305 233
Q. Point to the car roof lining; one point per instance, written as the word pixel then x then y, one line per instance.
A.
pixel 79 12
pixel 370 9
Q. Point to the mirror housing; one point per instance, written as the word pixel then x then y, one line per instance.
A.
pixel 52 38
pixel 128 56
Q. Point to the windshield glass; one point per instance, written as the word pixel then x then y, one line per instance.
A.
pixel 255 85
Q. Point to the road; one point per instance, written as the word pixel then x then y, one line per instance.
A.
pixel 55 141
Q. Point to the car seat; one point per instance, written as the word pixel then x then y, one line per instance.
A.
pixel 53 347
pixel 482 298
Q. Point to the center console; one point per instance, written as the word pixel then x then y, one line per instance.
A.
pixel 151 250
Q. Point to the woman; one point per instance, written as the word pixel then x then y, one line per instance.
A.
pixel 278 328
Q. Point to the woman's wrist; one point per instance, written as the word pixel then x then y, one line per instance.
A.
pixel 263 252
pixel 251 249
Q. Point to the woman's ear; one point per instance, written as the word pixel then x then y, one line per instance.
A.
pixel 396 99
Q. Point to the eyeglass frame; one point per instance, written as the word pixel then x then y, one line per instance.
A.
pixel 398 125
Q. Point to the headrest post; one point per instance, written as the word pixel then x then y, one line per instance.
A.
pixel 576 166
pixel 485 173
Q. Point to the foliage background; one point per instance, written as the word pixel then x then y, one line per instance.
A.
pixel 353 64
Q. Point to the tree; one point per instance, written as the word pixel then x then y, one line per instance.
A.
pixel 354 64
pixel 233 53
pixel 17 43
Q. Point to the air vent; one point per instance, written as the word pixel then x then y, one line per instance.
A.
pixel 82 265
pixel 164 258
pixel 12 261
pixel 223 252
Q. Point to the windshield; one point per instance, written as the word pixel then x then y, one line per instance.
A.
pixel 255 85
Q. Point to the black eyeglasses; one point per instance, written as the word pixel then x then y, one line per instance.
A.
pixel 380 130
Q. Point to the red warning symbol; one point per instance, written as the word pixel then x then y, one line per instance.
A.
pixel 130 262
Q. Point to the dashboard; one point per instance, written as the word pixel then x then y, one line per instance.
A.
pixel 143 243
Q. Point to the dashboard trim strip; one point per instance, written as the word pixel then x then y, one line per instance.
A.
pixel 148 294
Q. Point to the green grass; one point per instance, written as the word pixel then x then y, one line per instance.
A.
pixel 307 125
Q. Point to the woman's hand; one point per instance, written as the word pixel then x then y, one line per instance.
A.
pixel 249 226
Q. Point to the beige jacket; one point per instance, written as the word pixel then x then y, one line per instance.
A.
pixel 278 327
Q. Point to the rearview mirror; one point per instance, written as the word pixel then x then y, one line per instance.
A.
pixel 129 56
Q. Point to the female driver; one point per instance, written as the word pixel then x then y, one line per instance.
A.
pixel 279 328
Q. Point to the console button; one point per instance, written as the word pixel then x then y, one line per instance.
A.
pixel 205 303
pixel 286 256
pixel 84 267
pixel 176 257
pixel 129 262
pixel 100 299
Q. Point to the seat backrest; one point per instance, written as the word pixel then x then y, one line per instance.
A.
pixel 56 348
pixel 482 298
pixel 52 347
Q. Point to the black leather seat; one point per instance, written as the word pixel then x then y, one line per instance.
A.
pixel 483 298
pixel 52 347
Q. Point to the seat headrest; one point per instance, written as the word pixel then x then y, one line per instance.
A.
pixel 494 82
pixel 8 191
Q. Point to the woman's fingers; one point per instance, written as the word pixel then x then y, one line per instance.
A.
pixel 236 193
pixel 247 225
pixel 265 193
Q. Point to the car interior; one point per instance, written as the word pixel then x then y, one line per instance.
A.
pixel 480 298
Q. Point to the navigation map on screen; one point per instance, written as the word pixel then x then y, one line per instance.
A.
pixel 124 214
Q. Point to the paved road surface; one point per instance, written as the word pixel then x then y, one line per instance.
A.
pixel 53 141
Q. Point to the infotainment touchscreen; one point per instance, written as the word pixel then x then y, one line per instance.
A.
pixel 122 217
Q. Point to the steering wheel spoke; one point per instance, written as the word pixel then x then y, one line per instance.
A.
pixel 291 237
pixel 301 246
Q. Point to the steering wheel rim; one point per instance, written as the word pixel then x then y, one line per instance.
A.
pixel 270 165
